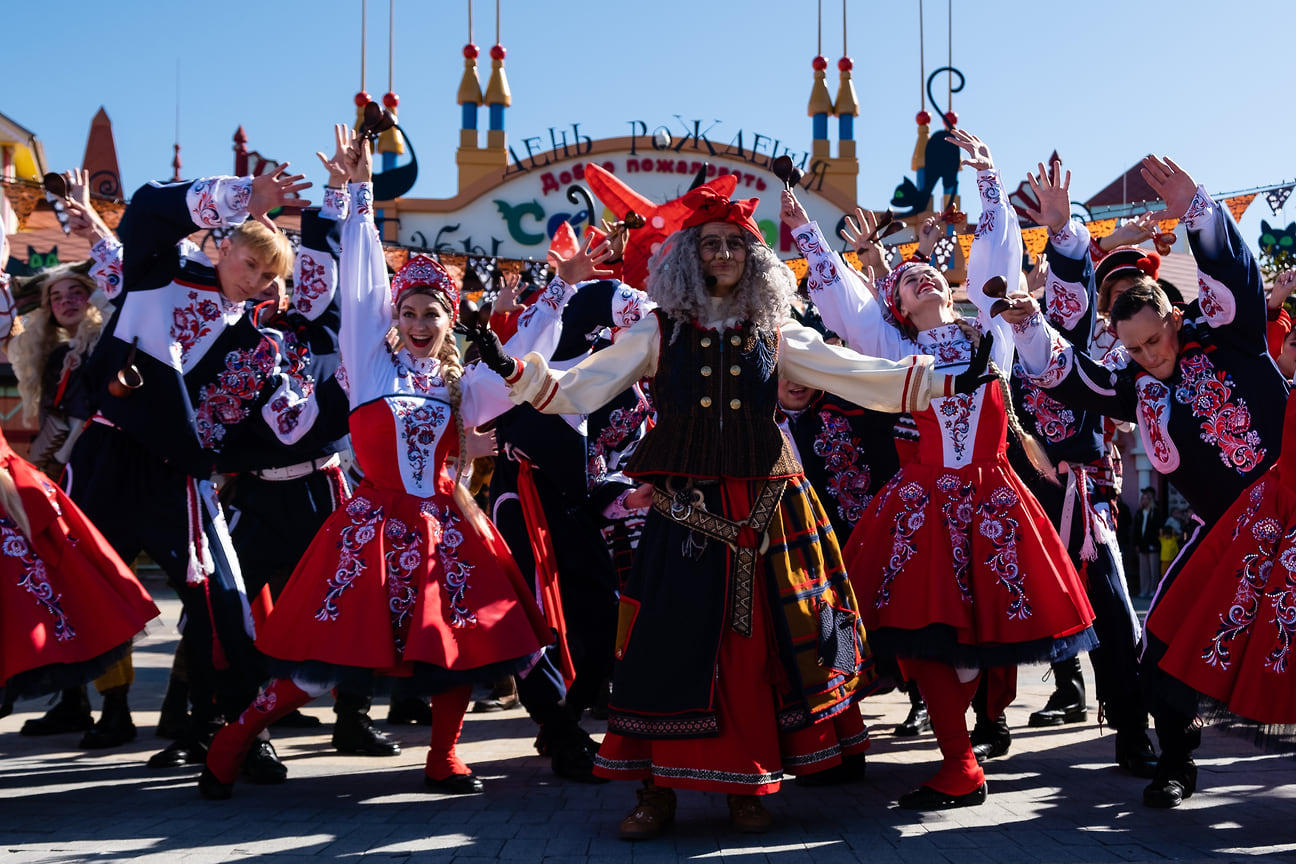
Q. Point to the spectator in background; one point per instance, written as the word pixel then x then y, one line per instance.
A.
pixel 1147 542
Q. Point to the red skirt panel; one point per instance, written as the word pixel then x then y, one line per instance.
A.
pixel 393 579
pixel 750 754
pixel 66 598
pixel 968 551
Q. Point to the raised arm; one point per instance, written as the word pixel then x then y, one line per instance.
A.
pixel 997 247
pixel 363 287
pixel 1232 294
pixel 1069 289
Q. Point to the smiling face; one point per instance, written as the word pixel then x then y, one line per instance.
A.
pixel 68 302
pixel 1152 340
pixel 923 297
pixel 242 272
pixel 423 322
pixel 724 256
pixel 795 397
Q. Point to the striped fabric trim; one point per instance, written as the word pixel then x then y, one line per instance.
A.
pixel 812 758
pixel 622 764
pixel 709 775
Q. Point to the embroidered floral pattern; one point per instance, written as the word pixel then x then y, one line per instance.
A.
pixel 1255 498
pixel 446 538
pixel 312 281
pixel 225 401
pixel 848 476
pixel 621 426
pixel 1226 424
pixel 362 531
pixel 1252 579
pixel 627 307
pixel 420 422
pixel 913 501
pixel 955 414
pixel 403 558
pixel 1059 364
pixel 1154 418
pixel 192 322
pixel 1054 422
pixel 1284 601
pixel 1001 530
pixel 763 350
pixel 1066 302
pixel 957 512
pixel 35 579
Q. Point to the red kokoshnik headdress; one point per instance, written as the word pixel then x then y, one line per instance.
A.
pixel 421 271
pixel 710 206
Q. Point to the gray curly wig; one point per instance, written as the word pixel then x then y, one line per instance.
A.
pixel 762 296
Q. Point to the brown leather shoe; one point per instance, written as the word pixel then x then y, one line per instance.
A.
pixel 652 815
pixel 747 815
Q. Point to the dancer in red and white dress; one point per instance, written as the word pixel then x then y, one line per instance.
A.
pixel 409 578
pixel 956 565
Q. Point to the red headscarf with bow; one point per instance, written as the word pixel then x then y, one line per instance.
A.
pixel 710 206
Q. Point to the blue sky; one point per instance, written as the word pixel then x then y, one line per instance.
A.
pixel 1103 82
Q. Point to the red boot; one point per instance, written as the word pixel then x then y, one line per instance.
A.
pixel 231 745
pixel 445 772
pixel 960 781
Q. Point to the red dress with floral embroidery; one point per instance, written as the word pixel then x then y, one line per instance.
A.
pixel 67 602
pixel 1229 619
pixel 955 560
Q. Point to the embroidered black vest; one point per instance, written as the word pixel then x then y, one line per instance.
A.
pixel 715 395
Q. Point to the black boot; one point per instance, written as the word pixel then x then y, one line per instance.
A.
pixel 1067 702
pixel 354 732
pixel 189 748
pixel 569 748
pixel 409 710
pixel 917 722
pixel 173 717
pixel 1176 773
pixel 70 714
pixel 115 727
pixel 1134 753
pixel 990 738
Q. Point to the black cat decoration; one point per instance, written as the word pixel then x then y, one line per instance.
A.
pixel 42 261
pixel 942 163
pixel 1277 241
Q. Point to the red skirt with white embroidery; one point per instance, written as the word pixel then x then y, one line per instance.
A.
pixel 69 606
pixel 961 565
pixel 393 583
pixel 1229 617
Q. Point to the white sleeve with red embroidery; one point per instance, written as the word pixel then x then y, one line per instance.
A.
pixel 883 385
pixel 219 202
pixel 996 251
pixel 366 301
pixel 315 275
pixel 336 205
pixel 1045 355
pixel 590 384
pixel 106 267
pixel 1206 221
pixel 845 302
pixel 539 326
pixel 1067 302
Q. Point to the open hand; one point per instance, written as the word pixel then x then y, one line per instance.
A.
pixel 1053 192
pixel 506 303
pixel 861 233
pixel 978 156
pixel 583 266
pixel 929 233
pixel 1282 288
pixel 336 165
pixel 1172 184
pixel 277 189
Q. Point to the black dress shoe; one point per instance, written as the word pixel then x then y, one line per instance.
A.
pixel 70 714
pixel 927 798
pixel 355 733
pixel 213 789
pixel 849 770
pixel 915 724
pixel 1171 785
pixel 455 784
pixel 1134 754
pixel 409 711
pixel 179 753
pixel 262 764
pixel 572 760
pixel 990 740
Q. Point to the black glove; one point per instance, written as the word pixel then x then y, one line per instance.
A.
pixel 476 327
pixel 978 373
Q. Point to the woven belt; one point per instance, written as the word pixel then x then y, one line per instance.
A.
pixel 301 469
pixel 747 539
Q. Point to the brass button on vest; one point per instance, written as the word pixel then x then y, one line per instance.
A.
pixel 735 404
pixel 705 342
pixel 706 371
pixel 735 340
pixel 705 401
pixel 735 370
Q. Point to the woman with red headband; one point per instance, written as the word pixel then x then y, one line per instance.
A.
pixel 739 650
pixel 957 566
pixel 409 578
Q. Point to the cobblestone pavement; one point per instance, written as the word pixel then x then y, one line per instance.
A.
pixel 1056 797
